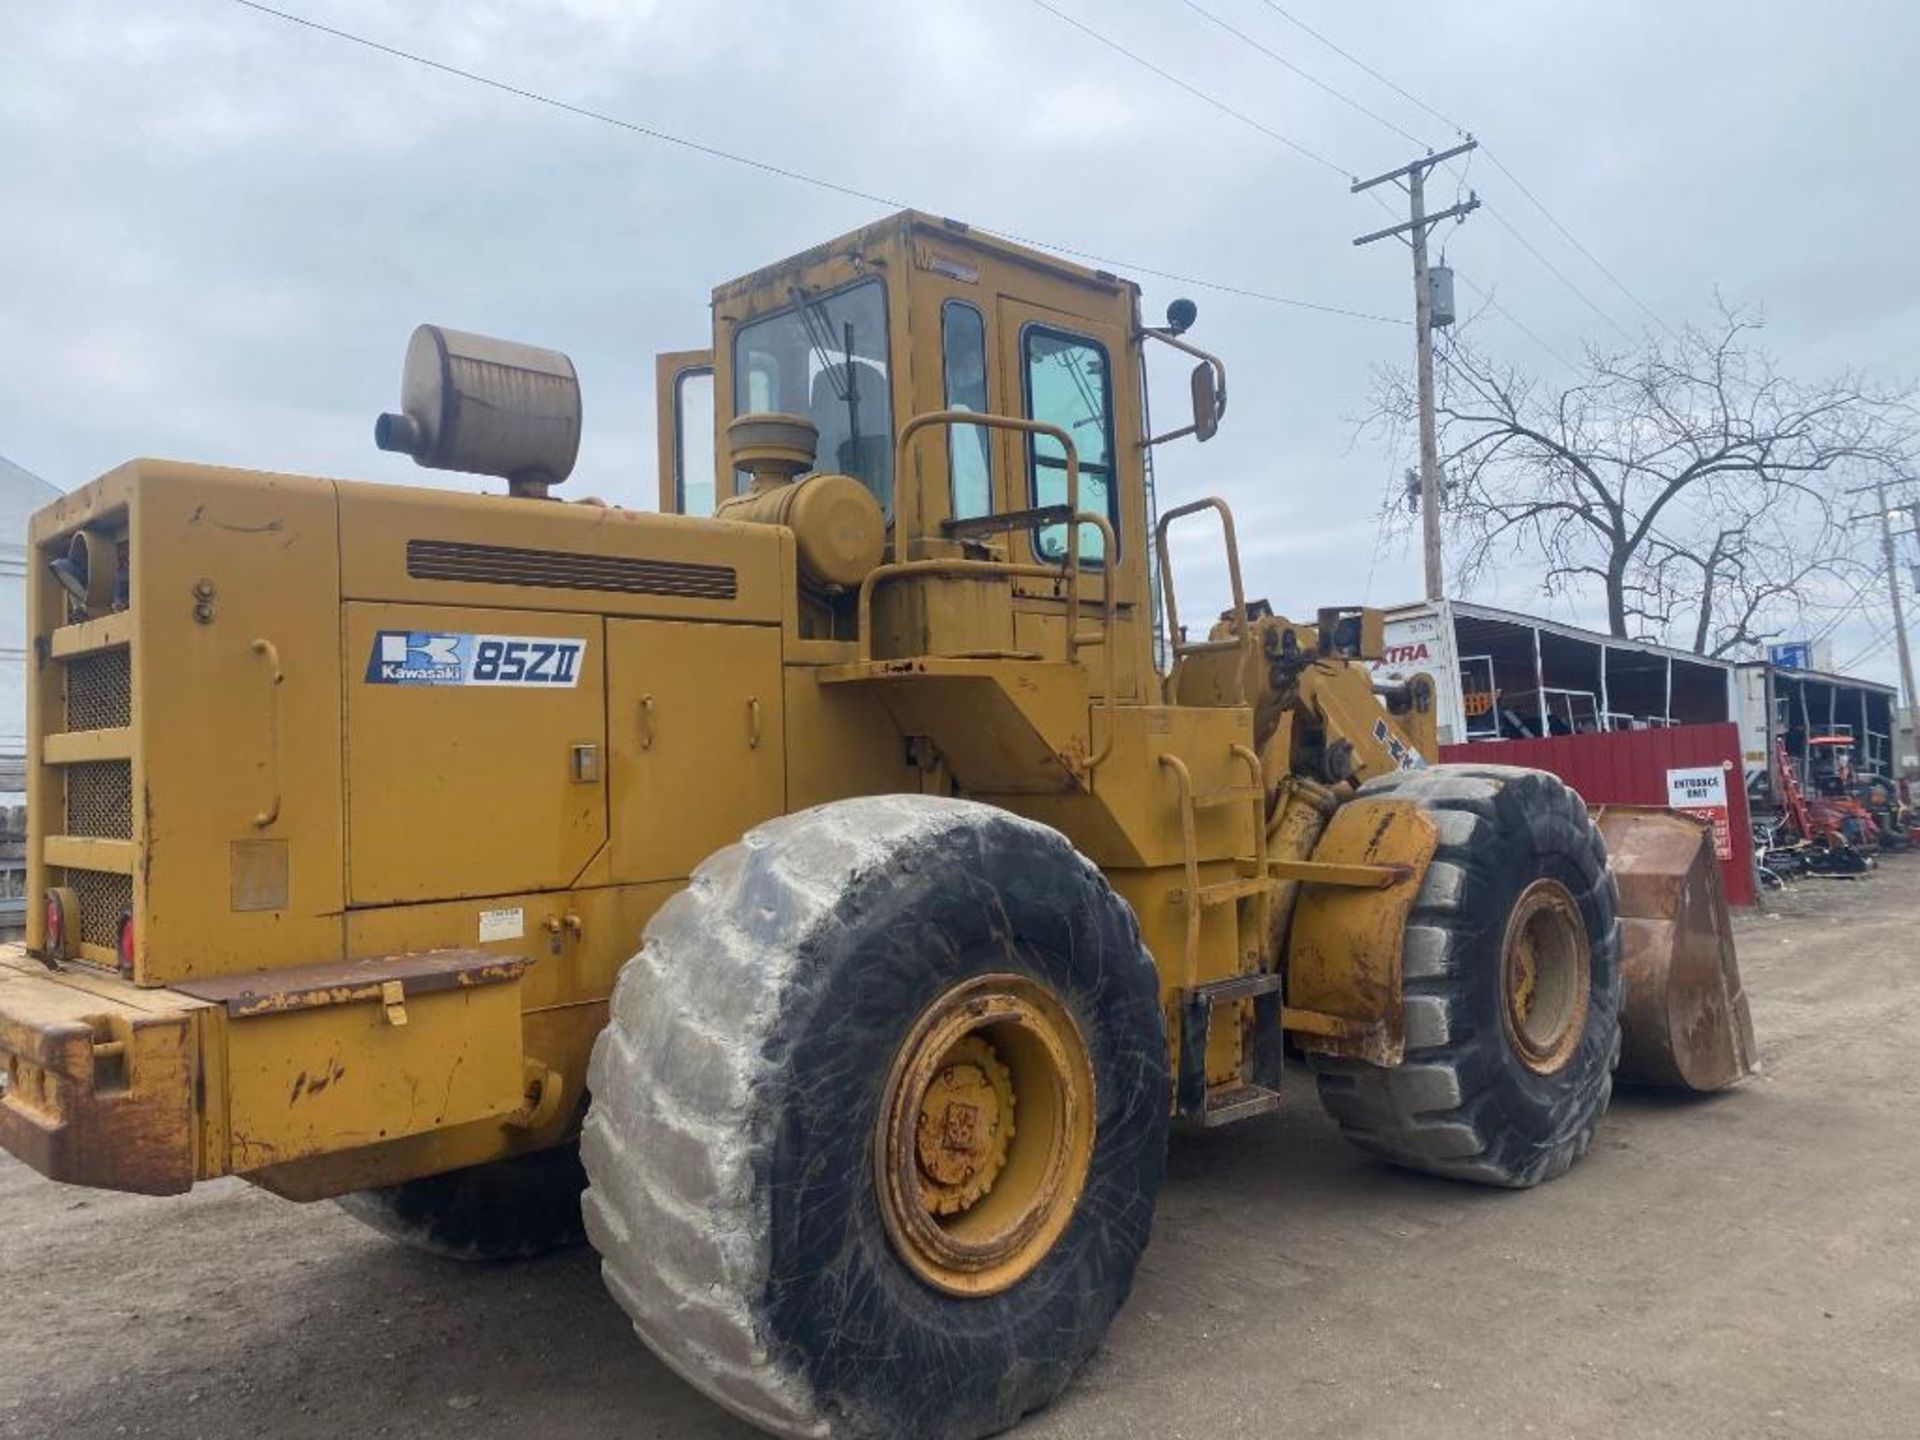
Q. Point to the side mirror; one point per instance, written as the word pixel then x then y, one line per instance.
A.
pixel 1208 384
pixel 1208 402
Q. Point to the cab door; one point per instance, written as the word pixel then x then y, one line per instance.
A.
pixel 1066 369
pixel 685 431
pixel 1061 368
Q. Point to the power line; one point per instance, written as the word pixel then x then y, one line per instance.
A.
pixel 1493 158
pixel 1293 144
pixel 1846 609
pixel 1570 238
pixel 1216 285
pixel 1488 300
pixel 785 172
pixel 1878 647
pixel 1353 59
pixel 713 151
pixel 1279 59
pixel 1194 90
pixel 1254 124
pixel 1493 304
pixel 1307 76
pixel 1555 271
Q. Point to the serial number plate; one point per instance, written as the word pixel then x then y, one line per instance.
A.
pixel 432 657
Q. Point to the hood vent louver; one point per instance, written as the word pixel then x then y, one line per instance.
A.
pixel 457 560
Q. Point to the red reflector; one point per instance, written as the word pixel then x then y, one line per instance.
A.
pixel 126 944
pixel 56 925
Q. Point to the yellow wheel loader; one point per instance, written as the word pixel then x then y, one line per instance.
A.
pixel 824 904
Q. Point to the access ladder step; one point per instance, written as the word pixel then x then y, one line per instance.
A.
pixel 1237 1102
pixel 1236 987
pixel 1261 1063
pixel 1226 891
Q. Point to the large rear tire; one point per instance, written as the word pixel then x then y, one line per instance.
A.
pixel 504 1210
pixel 879 1121
pixel 1512 985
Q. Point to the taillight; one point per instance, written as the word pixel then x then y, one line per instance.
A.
pixel 61 905
pixel 126 944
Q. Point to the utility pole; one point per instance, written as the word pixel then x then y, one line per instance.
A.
pixel 1412 178
pixel 1899 613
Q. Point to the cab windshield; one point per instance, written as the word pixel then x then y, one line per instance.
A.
pixel 825 357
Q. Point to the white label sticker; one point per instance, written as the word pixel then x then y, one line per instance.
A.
pixel 502 924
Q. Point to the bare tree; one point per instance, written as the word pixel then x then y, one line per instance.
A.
pixel 1689 482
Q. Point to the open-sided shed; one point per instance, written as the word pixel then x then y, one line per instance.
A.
pixel 1501 675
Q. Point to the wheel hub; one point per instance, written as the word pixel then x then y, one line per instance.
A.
pixel 966 1125
pixel 971 1201
pixel 1546 966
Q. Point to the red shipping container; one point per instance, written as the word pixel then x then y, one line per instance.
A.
pixel 1643 767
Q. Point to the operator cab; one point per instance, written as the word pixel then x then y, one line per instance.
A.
pixel 897 333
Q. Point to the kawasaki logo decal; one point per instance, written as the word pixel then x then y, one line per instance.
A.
pixel 431 657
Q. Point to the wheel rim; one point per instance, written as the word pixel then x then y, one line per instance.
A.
pixel 985 1134
pixel 1546 967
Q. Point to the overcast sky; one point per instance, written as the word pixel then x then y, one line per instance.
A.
pixel 217 229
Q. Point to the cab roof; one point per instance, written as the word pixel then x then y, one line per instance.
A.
pixel 907 224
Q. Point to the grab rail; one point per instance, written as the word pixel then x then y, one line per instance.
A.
pixel 1069 569
pixel 1242 638
pixel 276 677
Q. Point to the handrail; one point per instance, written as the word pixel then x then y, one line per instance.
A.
pixel 1243 632
pixel 904 518
pixel 275 678
pixel 906 503
pixel 1075 638
pixel 1257 775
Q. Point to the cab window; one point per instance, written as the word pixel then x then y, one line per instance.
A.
pixel 826 357
pixel 963 346
pixel 693 468
pixel 1069 383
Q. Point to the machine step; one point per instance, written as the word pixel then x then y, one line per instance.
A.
pixel 1229 890
pixel 1258 1089
pixel 1238 987
pixel 1238 1102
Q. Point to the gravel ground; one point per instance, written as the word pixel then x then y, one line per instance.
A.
pixel 1741 1266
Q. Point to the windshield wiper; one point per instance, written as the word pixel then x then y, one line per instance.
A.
pixel 818 326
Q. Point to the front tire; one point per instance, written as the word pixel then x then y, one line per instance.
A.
pixel 1512 987
pixel 879 1121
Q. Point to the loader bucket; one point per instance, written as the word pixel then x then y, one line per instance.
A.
pixel 1684 1022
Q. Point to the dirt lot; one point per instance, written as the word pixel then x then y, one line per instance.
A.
pixel 1743 1266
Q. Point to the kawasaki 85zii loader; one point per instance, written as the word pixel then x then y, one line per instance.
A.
pixel 821 895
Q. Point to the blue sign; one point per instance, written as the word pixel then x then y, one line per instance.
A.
pixel 1795 655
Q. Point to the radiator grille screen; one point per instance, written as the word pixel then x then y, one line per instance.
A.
pixel 100 690
pixel 565 570
pixel 104 898
pixel 100 799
